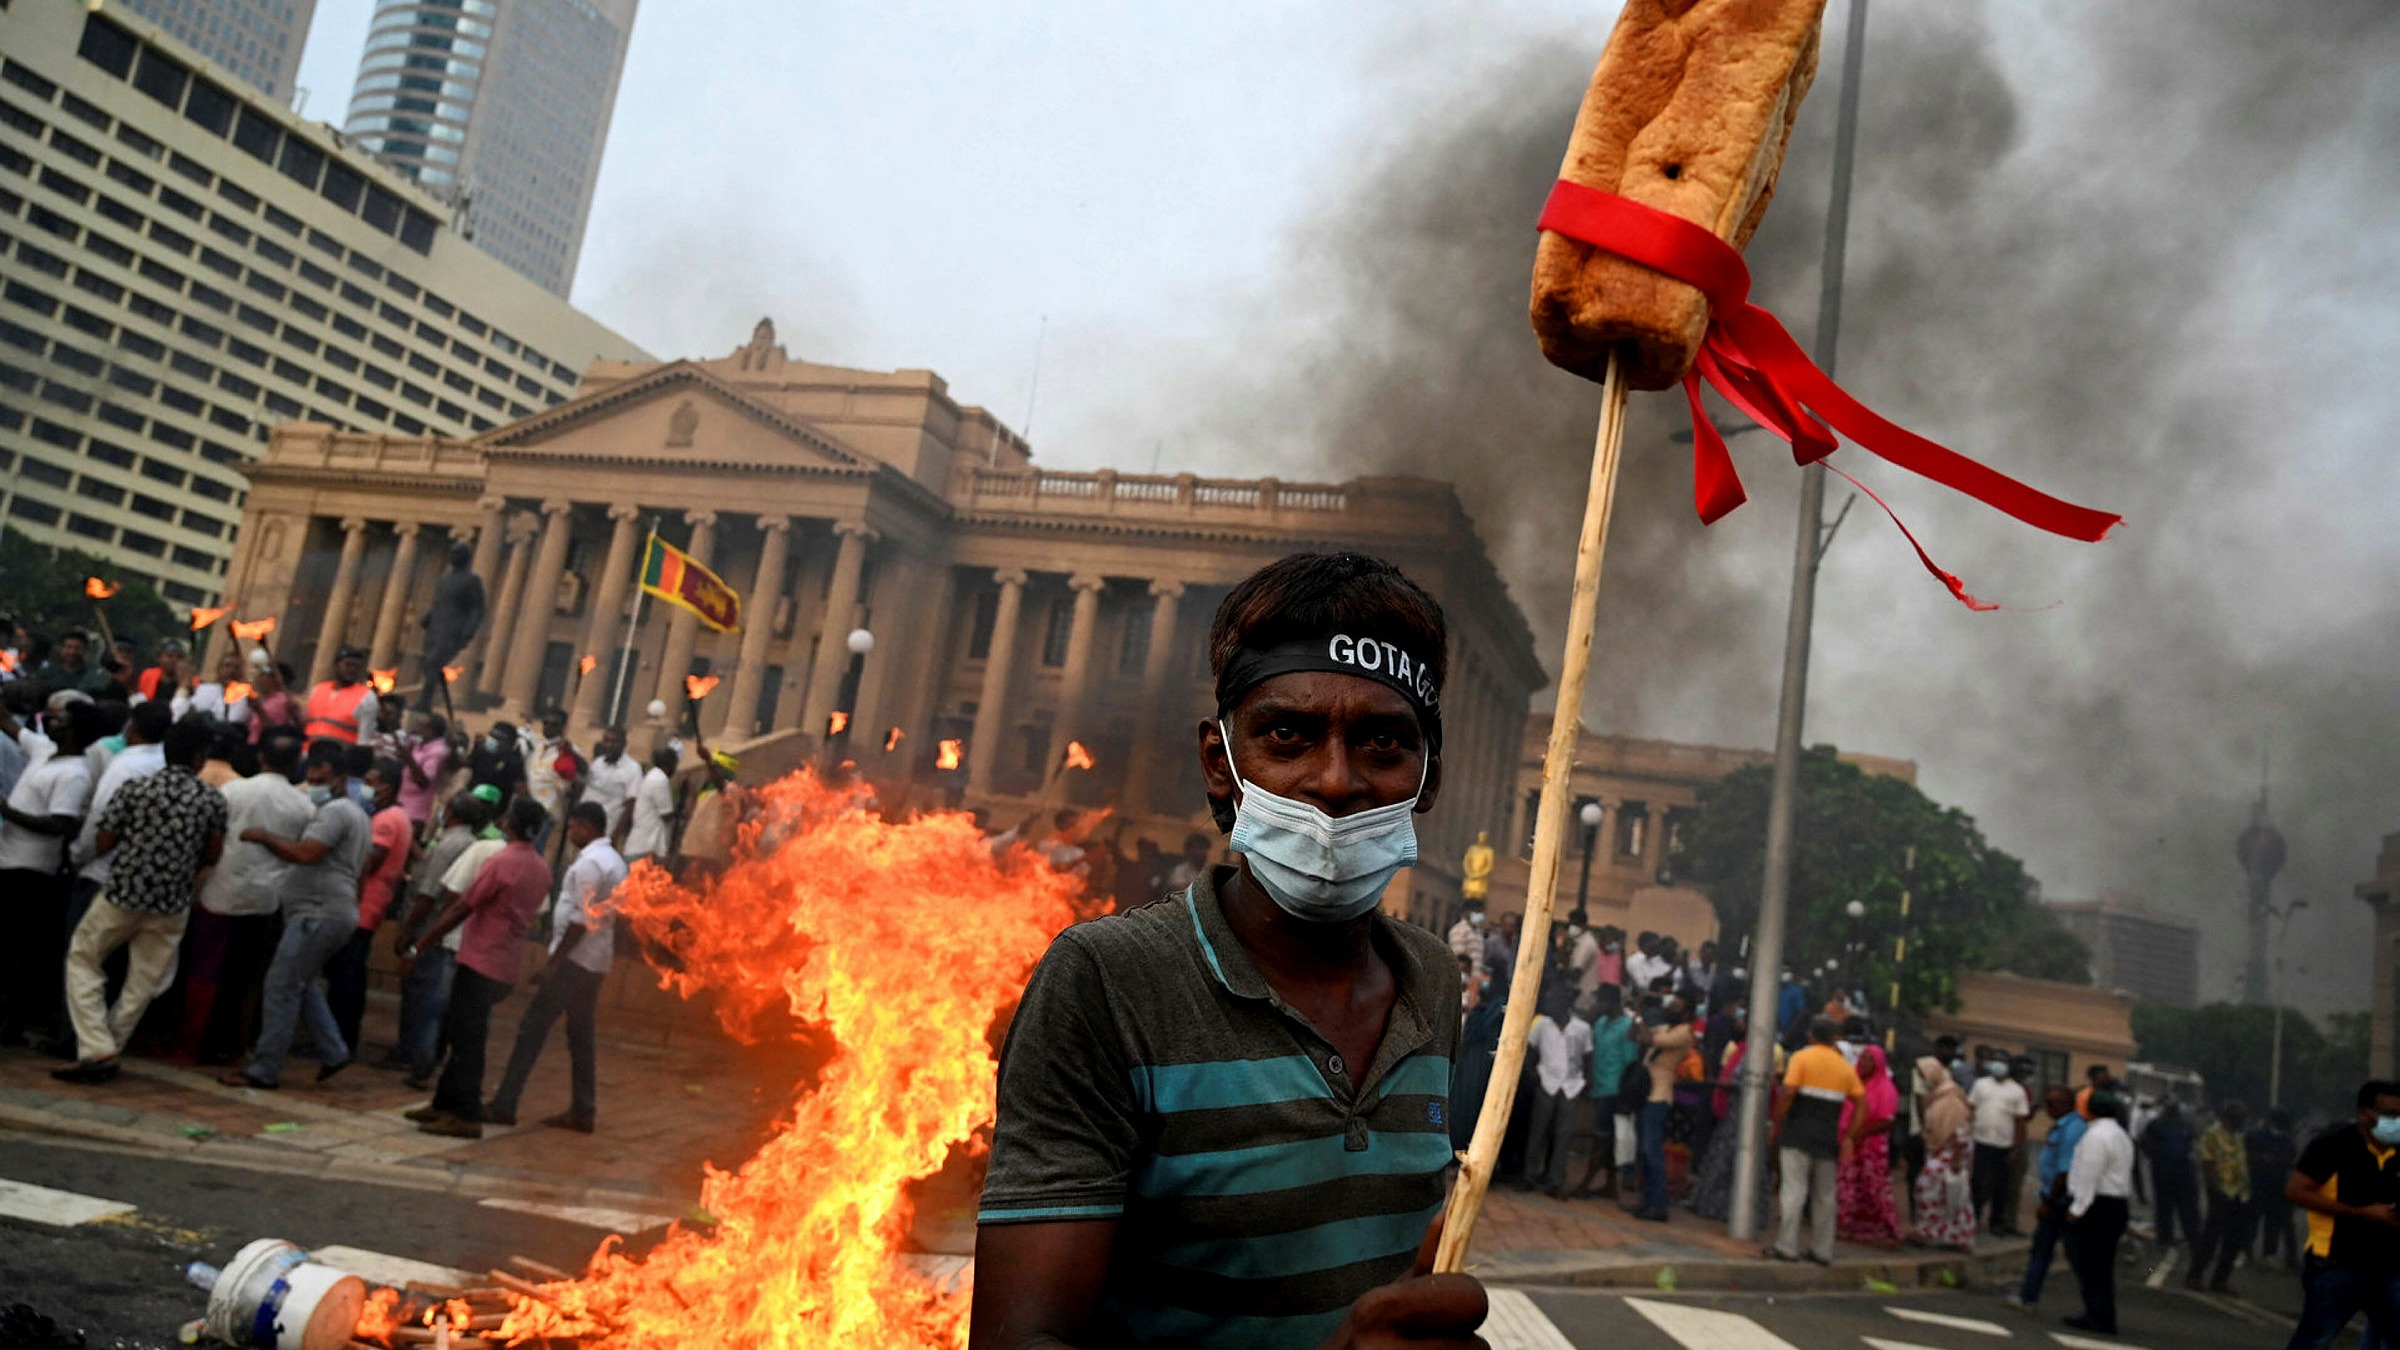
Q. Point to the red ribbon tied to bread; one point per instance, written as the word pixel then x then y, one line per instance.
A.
pixel 1749 358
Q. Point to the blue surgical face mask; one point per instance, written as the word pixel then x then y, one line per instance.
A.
pixel 320 793
pixel 1316 867
pixel 2387 1131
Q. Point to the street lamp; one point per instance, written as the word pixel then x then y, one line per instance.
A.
pixel 860 642
pixel 1590 816
pixel 2283 930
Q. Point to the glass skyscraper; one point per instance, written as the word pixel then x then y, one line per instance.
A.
pixel 257 41
pixel 501 106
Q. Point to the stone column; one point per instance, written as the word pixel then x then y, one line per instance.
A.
pixel 535 605
pixel 897 597
pixel 740 705
pixel 600 626
pixel 991 712
pixel 841 607
pixel 335 625
pixel 676 661
pixel 1166 599
pixel 1075 682
pixel 384 651
pixel 513 532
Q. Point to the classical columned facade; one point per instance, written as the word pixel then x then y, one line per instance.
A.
pixel 1010 612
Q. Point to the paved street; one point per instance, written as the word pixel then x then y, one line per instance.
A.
pixel 96 1235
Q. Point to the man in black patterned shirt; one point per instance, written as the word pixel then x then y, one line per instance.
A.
pixel 159 832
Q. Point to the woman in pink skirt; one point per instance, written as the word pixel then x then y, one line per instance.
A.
pixel 1868 1212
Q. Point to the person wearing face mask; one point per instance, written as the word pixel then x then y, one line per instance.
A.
pixel 498 761
pixel 1611 967
pixel 1269 1015
pixel 1583 957
pixel 610 783
pixel 320 912
pixel 2348 1181
pixel 2001 1109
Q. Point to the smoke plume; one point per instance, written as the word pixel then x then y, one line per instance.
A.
pixel 2142 256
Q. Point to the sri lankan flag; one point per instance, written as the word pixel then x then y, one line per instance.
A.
pixel 670 574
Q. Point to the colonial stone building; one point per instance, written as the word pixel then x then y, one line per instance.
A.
pixel 1012 609
pixel 1646 790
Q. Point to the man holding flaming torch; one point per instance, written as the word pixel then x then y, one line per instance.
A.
pixel 1222 1117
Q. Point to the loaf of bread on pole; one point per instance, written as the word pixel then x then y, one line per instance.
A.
pixel 1689 112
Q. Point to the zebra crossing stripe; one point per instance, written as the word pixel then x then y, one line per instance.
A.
pixel 59 1209
pixel 1516 1323
pixel 383 1268
pixel 1706 1328
pixel 626 1221
pixel 1934 1319
pixel 1879 1343
pixel 2089 1342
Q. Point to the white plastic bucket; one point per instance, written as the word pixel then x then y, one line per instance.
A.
pixel 272 1297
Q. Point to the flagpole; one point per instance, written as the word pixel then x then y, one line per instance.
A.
pixel 616 691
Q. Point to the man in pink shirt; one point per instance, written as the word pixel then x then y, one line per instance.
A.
pixel 390 844
pixel 496 913
pixel 426 763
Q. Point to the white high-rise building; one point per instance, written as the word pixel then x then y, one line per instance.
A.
pixel 184 265
pixel 502 106
pixel 254 40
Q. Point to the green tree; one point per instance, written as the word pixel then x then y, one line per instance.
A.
pixel 1971 906
pixel 2231 1046
pixel 42 588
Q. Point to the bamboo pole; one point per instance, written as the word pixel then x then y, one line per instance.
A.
pixel 1549 835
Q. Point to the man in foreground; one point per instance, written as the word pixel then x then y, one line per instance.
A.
pixel 2348 1179
pixel 1222 1117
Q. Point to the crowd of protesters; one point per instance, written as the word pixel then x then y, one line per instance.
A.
pixel 200 863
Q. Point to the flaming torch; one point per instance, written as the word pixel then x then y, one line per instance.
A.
pixel 587 664
pixel 96 590
pixel 892 739
pixel 383 680
pixel 947 754
pixel 203 616
pixel 838 723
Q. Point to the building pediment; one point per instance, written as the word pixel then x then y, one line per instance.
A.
pixel 680 412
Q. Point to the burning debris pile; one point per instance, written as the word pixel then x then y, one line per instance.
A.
pixel 901 943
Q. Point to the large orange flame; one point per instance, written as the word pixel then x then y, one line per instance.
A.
pixel 859 928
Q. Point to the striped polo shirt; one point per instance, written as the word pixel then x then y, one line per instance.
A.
pixel 1259 1184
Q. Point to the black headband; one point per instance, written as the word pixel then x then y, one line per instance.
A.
pixel 1368 658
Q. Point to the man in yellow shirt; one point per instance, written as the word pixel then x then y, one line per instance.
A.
pixel 1808 1132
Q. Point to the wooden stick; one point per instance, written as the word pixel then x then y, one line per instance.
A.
pixel 541 1268
pixel 1549 836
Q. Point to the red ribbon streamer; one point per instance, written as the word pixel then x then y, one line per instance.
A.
pixel 1749 358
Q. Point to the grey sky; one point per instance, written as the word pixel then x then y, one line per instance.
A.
pixel 2145 255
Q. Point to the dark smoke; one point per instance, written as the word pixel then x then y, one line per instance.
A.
pixel 2142 255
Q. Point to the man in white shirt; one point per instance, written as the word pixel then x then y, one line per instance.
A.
pixel 1561 1046
pixel 1644 965
pixel 232 935
pixel 2001 1110
pixel 1466 939
pixel 39 817
pixel 2098 1184
pixel 611 782
pixel 582 947
pixel 652 831
pixel 543 780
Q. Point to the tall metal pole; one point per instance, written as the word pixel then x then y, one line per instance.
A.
pixel 1758 1059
